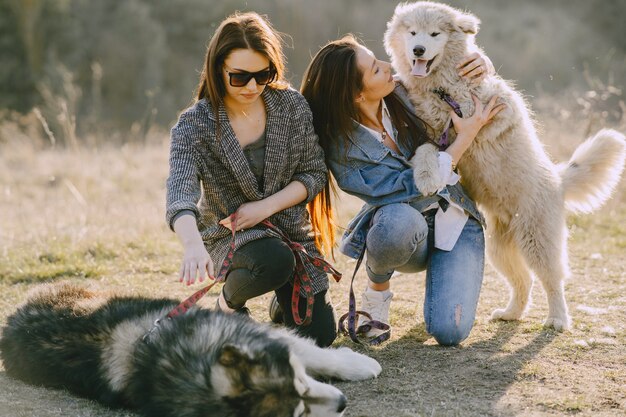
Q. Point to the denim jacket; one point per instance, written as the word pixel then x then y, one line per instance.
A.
pixel 367 169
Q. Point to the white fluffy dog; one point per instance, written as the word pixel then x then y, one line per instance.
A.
pixel 523 194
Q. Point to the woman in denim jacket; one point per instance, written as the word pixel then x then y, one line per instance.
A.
pixel 367 128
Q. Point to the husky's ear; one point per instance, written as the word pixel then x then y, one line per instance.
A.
pixel 231 355
pixel 467 23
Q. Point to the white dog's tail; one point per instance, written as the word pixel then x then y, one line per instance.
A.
pixel 593 171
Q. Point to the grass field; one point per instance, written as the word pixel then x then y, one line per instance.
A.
pixel 96 216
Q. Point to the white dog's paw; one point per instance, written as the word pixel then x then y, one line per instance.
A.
pixel 425 165
pixel 560 324
pixel 504 314
pixel 355 366
pixel 427 182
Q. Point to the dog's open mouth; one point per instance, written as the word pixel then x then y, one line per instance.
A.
pixel 421 67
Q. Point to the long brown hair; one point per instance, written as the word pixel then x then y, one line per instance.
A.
pixel 331 84
pixel 240 31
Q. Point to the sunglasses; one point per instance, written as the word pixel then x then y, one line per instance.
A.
pixel 242 78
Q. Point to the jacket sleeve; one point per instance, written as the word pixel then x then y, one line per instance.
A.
pixel 183 183
pixel 311 170
pixel 374 182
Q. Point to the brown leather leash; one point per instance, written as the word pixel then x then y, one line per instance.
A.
pixel 301 278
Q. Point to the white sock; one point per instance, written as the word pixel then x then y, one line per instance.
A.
pixel 384 294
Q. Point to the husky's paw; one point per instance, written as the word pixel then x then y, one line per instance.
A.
pixel 504 314
pixel 560 324
pixel 425 165
pixel 356 366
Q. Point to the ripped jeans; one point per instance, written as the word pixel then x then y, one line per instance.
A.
pixel 402 239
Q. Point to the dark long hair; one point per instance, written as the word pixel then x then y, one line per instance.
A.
pixel 240 31
pixel 331 84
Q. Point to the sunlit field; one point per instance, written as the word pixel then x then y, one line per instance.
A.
pixel 95 215
pixel 90 89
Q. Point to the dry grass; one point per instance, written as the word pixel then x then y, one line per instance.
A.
pixel 96 216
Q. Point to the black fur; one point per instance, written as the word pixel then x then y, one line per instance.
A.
pixel 56 340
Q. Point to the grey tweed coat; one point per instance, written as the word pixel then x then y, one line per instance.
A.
pixel 212 178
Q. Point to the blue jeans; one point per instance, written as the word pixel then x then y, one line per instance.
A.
pixel 402 239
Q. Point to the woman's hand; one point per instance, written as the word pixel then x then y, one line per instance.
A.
pixel 249 214
pixel 467 129
pixel 196 264
pixel 254 212
pixel 475 67
pixel 196 261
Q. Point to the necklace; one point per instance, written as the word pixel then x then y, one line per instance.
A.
pixel 380 130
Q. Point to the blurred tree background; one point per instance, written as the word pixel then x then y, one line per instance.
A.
pixel 122 67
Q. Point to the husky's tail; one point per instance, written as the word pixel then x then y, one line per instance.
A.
pixel 593 171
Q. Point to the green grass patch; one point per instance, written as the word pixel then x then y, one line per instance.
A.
pixel 53 264
pixel 62 259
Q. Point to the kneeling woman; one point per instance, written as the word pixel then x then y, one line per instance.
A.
pixel 367 128
pixel 247 146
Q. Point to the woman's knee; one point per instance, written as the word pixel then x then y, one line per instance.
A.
pixel 274 261
pixel 258 267
pixel 397 230
pixel 450 332
pixel 449 337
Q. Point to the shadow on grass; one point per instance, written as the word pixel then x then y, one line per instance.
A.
pixel 427 379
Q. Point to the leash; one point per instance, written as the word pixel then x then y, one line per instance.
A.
pixel 352 315
pixel 189 302
pixel 301 279
pixel 444 140
pixel 301 276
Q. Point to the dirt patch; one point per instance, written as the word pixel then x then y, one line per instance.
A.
pixel 502 369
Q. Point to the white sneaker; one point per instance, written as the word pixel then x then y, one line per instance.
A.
pixel 377 304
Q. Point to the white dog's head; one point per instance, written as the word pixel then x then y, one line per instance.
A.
pixel 421 35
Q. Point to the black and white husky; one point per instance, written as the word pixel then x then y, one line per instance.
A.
pixel 202 363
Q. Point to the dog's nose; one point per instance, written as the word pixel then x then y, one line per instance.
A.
pixel 419 50
pixel 343 403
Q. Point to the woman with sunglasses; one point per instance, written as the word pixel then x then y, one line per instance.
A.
pixel 247 146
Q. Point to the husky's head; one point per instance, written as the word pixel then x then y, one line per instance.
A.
pixel 421 35
pixel 271 382
pixel 208 363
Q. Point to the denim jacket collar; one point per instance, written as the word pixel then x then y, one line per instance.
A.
pixel 365 140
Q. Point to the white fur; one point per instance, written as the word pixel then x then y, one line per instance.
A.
pixel 118 355
pixel 328 398
pixel 342 363
pixel 506 170
pixel 307 360
pixel 425 165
